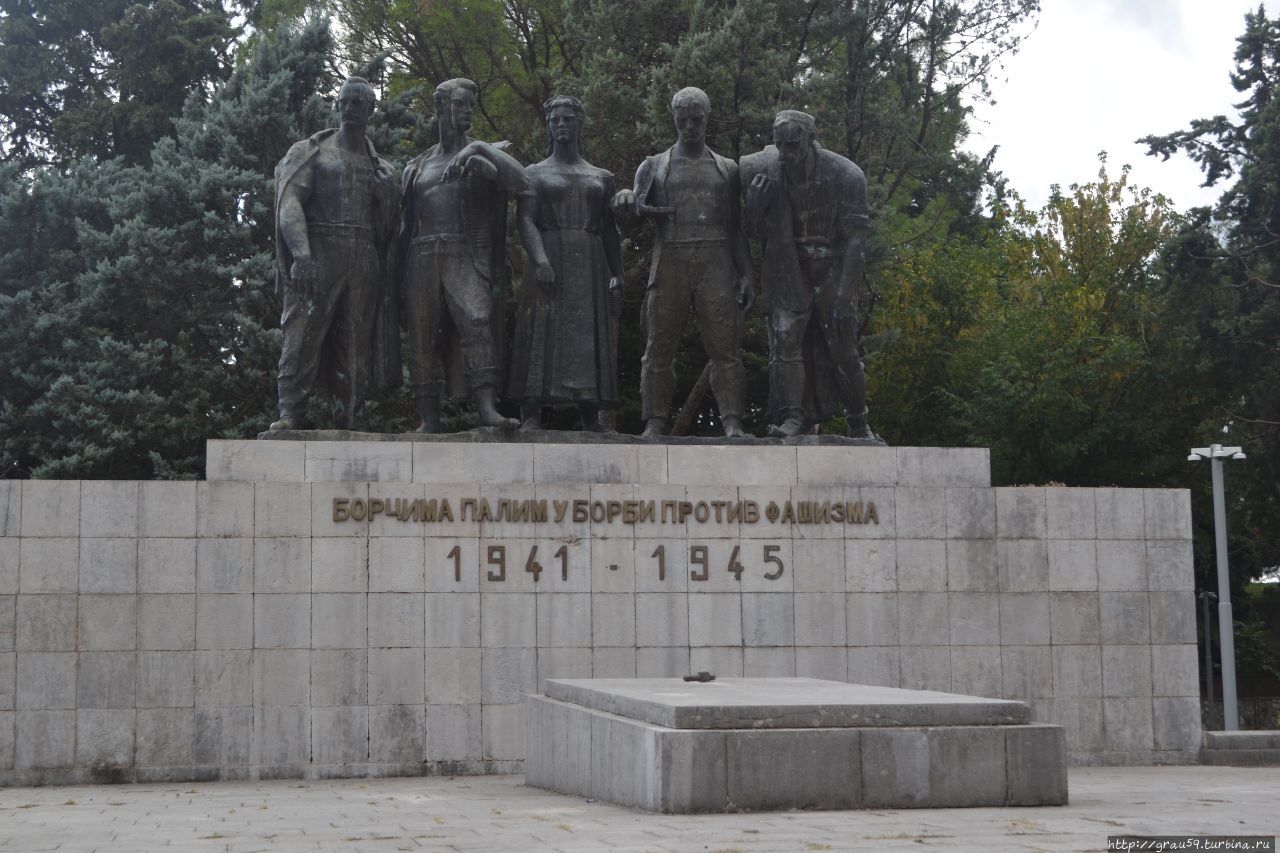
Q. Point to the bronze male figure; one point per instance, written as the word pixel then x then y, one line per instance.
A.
pixel 700 260
pixel 808 207
pixel 335 213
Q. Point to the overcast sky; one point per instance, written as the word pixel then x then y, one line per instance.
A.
pixel 1098 74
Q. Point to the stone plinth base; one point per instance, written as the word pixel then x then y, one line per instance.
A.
pixel 758 744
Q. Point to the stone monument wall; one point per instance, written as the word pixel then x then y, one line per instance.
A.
pixel 357 608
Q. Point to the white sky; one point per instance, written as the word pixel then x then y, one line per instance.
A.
pixel 1098 74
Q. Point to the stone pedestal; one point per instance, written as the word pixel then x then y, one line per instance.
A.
pixel 755 744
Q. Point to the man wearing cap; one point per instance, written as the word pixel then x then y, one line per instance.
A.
pixel 808 208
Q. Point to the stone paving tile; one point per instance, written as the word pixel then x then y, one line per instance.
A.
pixel 501 813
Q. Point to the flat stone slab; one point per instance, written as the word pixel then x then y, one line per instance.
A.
pixel 780 703
pixel 490 435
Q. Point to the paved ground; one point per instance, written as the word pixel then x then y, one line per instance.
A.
pixel 500 813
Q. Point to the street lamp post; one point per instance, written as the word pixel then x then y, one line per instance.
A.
pixel 1215 453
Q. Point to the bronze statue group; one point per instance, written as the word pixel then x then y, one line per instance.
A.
pixel 359 259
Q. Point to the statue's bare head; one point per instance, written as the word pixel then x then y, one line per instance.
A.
pixel 454 100
pixel 356 100
pixel 689 110
pixel 794 135
pixel 565 118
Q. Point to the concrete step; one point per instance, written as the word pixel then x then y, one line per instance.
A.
pixel 1241 757
pixel 1242 740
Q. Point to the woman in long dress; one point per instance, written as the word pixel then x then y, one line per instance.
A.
pixel 565 349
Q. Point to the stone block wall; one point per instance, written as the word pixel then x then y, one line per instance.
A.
pixel 232 628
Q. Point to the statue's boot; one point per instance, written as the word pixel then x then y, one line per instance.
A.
pixel 856 426
pixel 590 413
pixel 429 411
pixel 654 428
pixel 733 427
pixel 288 421
pixel 530 416
pixel 486 403
pixel 792 426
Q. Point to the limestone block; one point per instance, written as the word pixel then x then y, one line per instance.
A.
pixel 821 620
pixel 166 679
pixel 398 733
pixel 724 661
pixel 224 565
pixel 453 676
pixel 715 619
pixel 653 662
pixel 872 618
pixel 1071 513
pixel 871 566
pixel 1176 723
pixel 108 622
pixel 8 622
pixel 587 463
pixel 10 508
pixel 884 500
pixel 1037 765
pixel 967 765
pixel 1126 671
pixel 1024 565
pixel 613 565
pixel 395 518
pixel 562 663
pixel 325 501
pixel 109 508
pixel 359 461
pixel 974 618
pixel 944 466
pixel 9 553
pixel 813 565
pixel 489 463
pixel 1168 513
pixel 662 565
pixel 281 736
pixel 44 740
pixel 224 677
pixel 848 466
pixel 972 565
pixel 923 619
pixel 340 735
pixel 816 769
pixel 397 677
pixel 895 768
pixel 707 466
pixel 1082 721
pixel 831 663
pixel 396 619
pixel 921 513
pixel 971 513
pixel 339 621
pixel 453 620
pixel 768 619
pixel 1120 513
pixel 167 565
pixel 1021 513
pixel 1124 617
pixel 283 676
pixel 282 621
pixel 8 680
pixel 1122 565
pixel 108 565
pixel 51 508
pixel 508 620
pixel 282 461
pixel 976 671
pixel 922 565
pixel 104 737
pixel 1127 724
pixel 453 565
pixel 107 680
pixel 1073 618
pixel 224 736
pixel 710 563
pixel 167 623
pixel 1026 672
pixel 48 565
pixel 769 662
pixel 926 667
pixel 501 733
pixel 339 677
pixel 1169 566
pixel 167 508
pixel 1175 670
pixel 282 565
pixel 662 619
pixel 453 732
pixel 1073 565
pixel 397 564
pixel 340 565
pixel 224 621
pixel 224 508
pixel 46 623
pixel 282 509
pixel 509 673
pixel 1024 619
pixel 1077 672
pixel 877 665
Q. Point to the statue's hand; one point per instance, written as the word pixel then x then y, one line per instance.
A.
pixel 624 202
pixel 761 192
pixel 615 296
pixel 546 275
pixel 478 165
pixel 304 274
pixel 458 165
pixel 746 293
